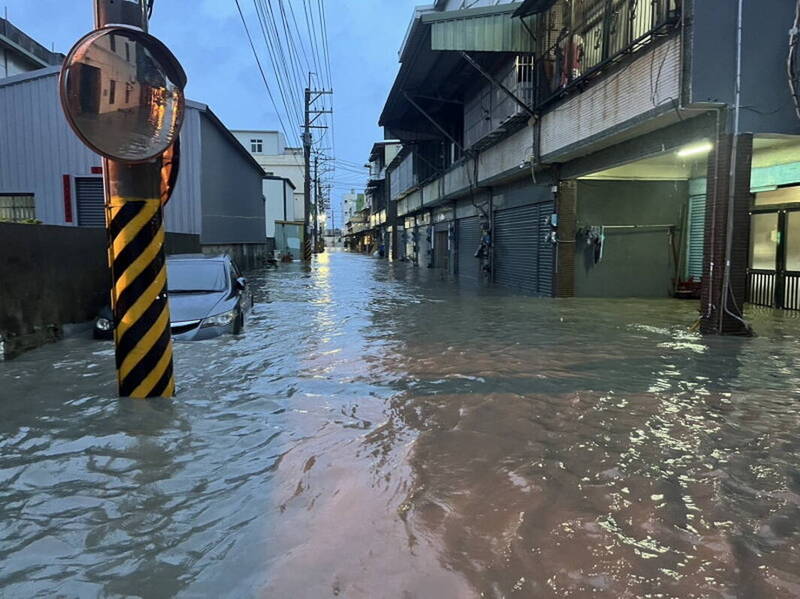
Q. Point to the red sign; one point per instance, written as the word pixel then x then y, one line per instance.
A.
pixel 67 199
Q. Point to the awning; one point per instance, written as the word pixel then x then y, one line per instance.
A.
pixel 488 29
pixel 431 63
pixel 533 7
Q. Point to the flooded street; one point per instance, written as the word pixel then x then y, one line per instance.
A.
pixel 379 432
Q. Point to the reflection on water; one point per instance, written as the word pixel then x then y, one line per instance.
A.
pixel 378 432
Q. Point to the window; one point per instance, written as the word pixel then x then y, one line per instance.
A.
pixel 127 51
pixel 257 146
pixel 270 174
pixel 17 208
pixel 112 91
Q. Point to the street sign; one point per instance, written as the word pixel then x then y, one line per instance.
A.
pixel 122 93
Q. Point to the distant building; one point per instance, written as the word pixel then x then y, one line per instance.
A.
pixel 277 159
pixel 20 53
pixel 283 165
pixel 351 203
pixel 217 204
pixel 284 216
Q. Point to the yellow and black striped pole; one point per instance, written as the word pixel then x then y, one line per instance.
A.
pixel 138 137
pixel 139 280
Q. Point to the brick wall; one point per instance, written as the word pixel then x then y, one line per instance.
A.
pixel 714 321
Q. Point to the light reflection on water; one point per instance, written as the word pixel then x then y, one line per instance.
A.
pixel 378 431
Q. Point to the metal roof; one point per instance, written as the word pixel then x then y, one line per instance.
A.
pixel 431 63
pixel 199 106
pixel 486 29
pixel 533 7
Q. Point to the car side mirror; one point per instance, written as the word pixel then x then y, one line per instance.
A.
pixel 241 283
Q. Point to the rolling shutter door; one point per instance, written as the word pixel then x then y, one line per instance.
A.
pixel 91 201
pixel 523 260
pixel 696 237
pixel 469 237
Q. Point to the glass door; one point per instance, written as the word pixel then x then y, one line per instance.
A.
pixel 765 237
pixel 791 262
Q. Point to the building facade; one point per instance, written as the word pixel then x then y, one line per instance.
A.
pixel 20 53
pixel 357 229
pixel 277 159
pixel 285 169
pixel 217 203
pixel 578 148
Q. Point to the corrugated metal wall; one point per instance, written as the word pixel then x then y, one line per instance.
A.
pixel 650 81
pixel 183 213
pixel 37 148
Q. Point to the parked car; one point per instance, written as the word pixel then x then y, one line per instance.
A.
pixel 208 296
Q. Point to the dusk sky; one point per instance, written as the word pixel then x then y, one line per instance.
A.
pixel 208 38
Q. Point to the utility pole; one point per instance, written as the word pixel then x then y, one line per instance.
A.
pixel 316 205
pixel 140 155
pixel 309 233
pixel 307 184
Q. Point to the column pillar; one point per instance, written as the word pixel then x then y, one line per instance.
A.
pixel 718 316
pixel 567 209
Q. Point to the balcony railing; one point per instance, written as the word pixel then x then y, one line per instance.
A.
pixel 582 36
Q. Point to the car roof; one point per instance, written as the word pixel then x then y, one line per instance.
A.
pixel 204 257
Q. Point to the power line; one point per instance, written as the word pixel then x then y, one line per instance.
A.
pixel 261 69
pixel 274 50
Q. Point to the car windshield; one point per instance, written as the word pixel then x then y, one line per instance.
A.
pixel 195 276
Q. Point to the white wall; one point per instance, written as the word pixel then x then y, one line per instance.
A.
pixel 278 161
pixel 274 192
pixel 273 141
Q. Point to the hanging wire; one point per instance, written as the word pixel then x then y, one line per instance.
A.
pixel 261 69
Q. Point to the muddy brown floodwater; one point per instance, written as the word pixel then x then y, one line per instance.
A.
pixel 379 432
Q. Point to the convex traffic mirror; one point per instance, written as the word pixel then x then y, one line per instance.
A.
pixel 122 92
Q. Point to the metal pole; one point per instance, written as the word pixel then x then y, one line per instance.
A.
pixel 135 234
pixel 307 186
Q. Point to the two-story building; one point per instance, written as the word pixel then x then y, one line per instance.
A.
pixel 382 211
pixel 601 148
pixel 285 170
pixel 357 228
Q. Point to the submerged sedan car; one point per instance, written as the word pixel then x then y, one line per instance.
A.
pixel 207 297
